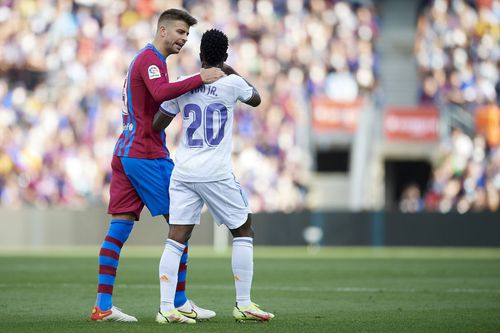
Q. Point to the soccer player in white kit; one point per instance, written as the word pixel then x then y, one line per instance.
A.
pixel 203 175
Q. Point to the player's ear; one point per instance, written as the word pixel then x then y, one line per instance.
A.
pixel 163 31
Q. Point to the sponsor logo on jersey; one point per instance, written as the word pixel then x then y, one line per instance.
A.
pixel 128 127
pixel 153 72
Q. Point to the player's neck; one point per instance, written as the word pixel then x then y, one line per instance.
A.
pixel 158 46
pixel 204 65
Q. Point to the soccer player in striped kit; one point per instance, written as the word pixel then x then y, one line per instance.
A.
pixel 203 175
pixel 141 166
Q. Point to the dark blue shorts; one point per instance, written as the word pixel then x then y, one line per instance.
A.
pixel 136 182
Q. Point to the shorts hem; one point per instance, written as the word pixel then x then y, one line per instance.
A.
pixel 185 222
pixel 137 216
pixel 244 218
pixel 158 213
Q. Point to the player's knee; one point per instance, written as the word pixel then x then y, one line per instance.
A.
pixel 179 234
pixel 124 216
pixel 245 230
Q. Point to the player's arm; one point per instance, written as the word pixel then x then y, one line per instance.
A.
pixel 254 100
pixel 161 120
pixel 161 89
pixel 168 110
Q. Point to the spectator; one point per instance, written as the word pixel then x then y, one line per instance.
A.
pixel 466 177
pixel 411 199
pixel 457 53
pixel 63 66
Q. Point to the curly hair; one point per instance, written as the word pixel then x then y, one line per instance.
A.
pixel 213 48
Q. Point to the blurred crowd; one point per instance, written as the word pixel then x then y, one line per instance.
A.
pixel 63 64
pixel 457 51
pixel 465 177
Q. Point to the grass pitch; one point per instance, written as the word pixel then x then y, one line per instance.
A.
pixel 334 290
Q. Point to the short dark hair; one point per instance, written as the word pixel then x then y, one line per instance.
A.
pixel 213 48
pixel 177 15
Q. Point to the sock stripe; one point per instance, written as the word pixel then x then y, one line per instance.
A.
pixel 105 289
pixel 109 257
pixel 175 245
pixel 180 293
pixel 114 241
pixel 125 222
pixel 181 276
pixel 111 246
pixel 107 279
pixel 103 269
pixel 181 286
pixel 108 261
pixel 247 241
pixel 109 253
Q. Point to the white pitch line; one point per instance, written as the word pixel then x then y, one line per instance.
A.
pixel 275 288
pixel 473 291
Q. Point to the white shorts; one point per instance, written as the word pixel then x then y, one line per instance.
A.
pixel 224 199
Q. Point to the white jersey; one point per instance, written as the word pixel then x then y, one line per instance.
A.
pixel 204 152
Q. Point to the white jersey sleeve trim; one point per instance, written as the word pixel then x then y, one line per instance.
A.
pixel 162 110
pixel 170 108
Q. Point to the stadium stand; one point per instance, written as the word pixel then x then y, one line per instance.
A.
pixel 456 48
pixel 62 69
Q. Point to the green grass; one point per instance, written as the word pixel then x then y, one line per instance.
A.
pixel 334 290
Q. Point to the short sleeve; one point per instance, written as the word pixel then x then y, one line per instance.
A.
pixel 243 91
pixel 170 108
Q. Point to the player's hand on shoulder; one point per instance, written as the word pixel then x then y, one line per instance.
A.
pixel 209 75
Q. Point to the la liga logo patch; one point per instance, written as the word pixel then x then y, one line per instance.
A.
pixel 153 72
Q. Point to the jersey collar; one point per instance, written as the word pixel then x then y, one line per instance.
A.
pixel 157 52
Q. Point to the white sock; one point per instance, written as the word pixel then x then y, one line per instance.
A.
pixel 169 268
pixel 242 262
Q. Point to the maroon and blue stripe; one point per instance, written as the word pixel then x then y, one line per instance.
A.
pixel 109 257
pixel 124 143
pixel 180 291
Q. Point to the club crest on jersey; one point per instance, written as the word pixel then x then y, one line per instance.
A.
pixel 153 72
